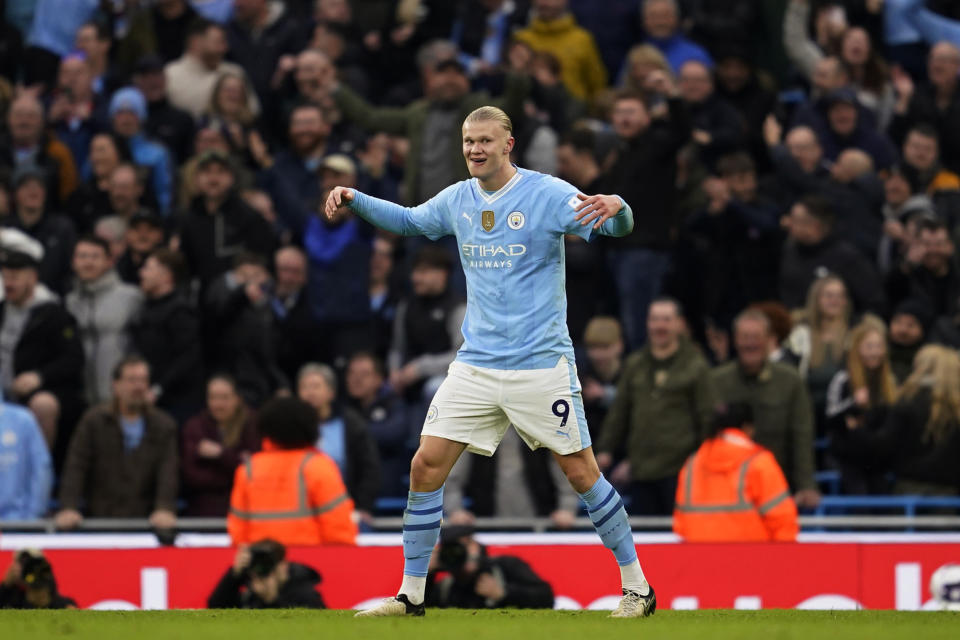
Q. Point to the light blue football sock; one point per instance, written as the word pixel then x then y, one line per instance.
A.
pixel 421 530
pixel 605 508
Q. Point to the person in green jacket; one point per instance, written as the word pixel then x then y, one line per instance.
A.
pixel 783 415
pixel 663 404
pixel 432 124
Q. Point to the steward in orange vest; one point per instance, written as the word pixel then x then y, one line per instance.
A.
pixel 732 489
pixel 290 492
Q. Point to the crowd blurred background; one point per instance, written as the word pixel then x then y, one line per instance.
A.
pixel 792 166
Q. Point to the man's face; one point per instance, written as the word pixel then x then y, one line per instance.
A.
pixel 126 123
pixel 428 281
pixel 660 19
pixel 291 268
pixel 447 85
pixel 938 249
pixel 103 156
pixel 308 130
pixel 267 587
pixel 828 74
pixel 602 355
pixel 18 284
pixel 896 189
pixel 695 83
pixel 629 118
pixel 663 324
pixel 132 386
pixel 943 65
pixel 124 190
pixel 733 74
pixel 804 228
pixel 314 390
pixel 550 9
pixel 920 151
pixel 742 185
pixel 214 181
pixel 142 238
pixel 25 121
pixel 843 118
pixel 213 47
pixel 153 276
pixel 90 261
pixel 31 195
pixel 751 339
pixel 804 149
pixel 93 47
pixel 313 70
pixel 152 84
pixel 75 76
pixel 486 148
pixel 905 330
pixel 363 381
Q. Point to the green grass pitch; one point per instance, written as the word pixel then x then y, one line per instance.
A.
pixel 480 625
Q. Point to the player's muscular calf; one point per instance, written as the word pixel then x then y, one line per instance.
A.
pixel 580 468
pixel 432 462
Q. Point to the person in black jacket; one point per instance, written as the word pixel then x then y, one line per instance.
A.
pixel 344 436
pixel 299 338
pixel 643 170
pixel 167 124
pixel 462 575
pixel 262 578
pixel 167 335
pixel 29 584
pixel 931 273
pixel 41 357
pixel 718 128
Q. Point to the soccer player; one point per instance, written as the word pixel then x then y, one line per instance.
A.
pixel 516 364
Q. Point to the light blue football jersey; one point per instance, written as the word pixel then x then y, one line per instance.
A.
pixel 512 250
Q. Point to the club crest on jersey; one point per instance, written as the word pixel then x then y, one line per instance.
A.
pixel 487 220
pixel 516 220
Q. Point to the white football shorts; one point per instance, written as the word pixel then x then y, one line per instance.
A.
pixel 476 406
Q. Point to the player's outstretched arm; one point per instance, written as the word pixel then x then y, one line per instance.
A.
pixel 609 215
pixel 381 213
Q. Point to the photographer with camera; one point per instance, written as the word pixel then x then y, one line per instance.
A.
pixel 29 584
pixel 463 576
pixel 262 578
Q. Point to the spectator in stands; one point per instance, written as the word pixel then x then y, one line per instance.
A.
pixel 855 190
pixel 369 395
pixel 813 250
pixel 661 22
pixel 142 235
pixel 28 144
pixel 798 164
pixel 909 326
pixel 718 128
pixel 740 85
pixel 41 358
pixel 29 584
pixel 159 30
pixel 191 77
pixel 122 461
pixel 554 29
pixel 902 211
pixel 600 371
pixel 105 309
pixel 128 115
pixel 219 223
pixel 166 123
pixel 52 36
pixel 229 112
pixel 240 329
pixel 125 192
pixel 931 274
pixel 926 175
pixel 292 478
pixel 859 397
pixel 646 147
pixel 55 232
pixel 463 575
pixel 732 489
pixel 113 231
pixel 167 335
pixel 426 330
pixel 920 440
pixel 294 168
pixel 26 475
pixel 93 40
pixel 659 414
pixel 74 113
pixel 343 435
pixel 641 60
pixel 782 413
pixel 846 129
pixel 937 102
pixel 385 287
pixel 298 338
pixel 262 578
pixel 213 444
pixel 91 199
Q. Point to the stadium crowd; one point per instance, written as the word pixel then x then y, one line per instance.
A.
pixel 792 166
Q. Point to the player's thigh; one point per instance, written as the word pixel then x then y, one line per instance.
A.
pixel 546 408
pixel 466 409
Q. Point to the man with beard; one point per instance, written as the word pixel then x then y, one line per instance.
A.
pixel 122 461
pixel 293 172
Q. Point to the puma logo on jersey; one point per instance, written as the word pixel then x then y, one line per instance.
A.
pixel 469 218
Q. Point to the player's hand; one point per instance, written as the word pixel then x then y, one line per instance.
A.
pixel 337 201
pixel 489 587
pixel 67 519
pixel 596 209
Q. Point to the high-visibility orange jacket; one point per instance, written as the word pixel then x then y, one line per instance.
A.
pixel 733 490
pixel 296 497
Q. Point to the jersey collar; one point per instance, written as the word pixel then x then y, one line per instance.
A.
pixel 502 191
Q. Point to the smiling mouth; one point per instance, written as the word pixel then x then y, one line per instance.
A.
pixel 478 161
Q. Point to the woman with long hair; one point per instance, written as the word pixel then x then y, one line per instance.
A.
pixel 868 74
pixel 213 443
pixel 90 200
pixel 920 439
pixel 860 396
pixel 229 111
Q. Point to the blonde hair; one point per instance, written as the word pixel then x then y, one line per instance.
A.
pixel 644 54
pixel 245 117
pixel 814 319
pixel 937 368
pixel 493 114
pixel 855 368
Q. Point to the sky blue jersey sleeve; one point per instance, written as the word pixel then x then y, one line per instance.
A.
pixel 564 201
pixel 431 219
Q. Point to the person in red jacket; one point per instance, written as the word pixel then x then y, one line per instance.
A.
pixel 290 492
pixel 732 489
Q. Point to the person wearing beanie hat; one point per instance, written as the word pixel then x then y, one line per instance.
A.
pixel 909 326
pixel 128 116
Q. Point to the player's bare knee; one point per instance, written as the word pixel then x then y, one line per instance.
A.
pixel 426 474
pixel 582 477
